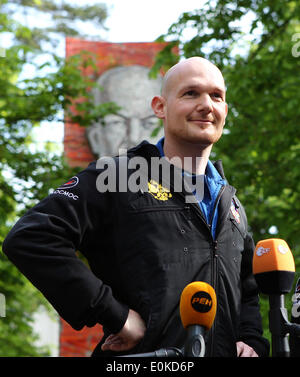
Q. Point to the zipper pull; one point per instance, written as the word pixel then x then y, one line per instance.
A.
pixel 215 245
pixel 188 212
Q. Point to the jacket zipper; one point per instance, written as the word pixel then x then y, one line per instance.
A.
pixel 216 203
pixel 214 272
pixel 214 258
pixel 214 284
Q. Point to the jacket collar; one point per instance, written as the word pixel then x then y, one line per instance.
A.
pixel 144 149
pixel 219 166
pixel 148 150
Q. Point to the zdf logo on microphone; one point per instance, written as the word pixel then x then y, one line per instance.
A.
pixel 201 301
pixel 262 250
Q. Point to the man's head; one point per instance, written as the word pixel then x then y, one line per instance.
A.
pixel 192 102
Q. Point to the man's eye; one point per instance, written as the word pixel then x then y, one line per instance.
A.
pixel 217 95
pixel 190 93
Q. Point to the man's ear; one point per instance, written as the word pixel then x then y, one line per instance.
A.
pixel 226 109
pixel 158 106
pixel 226 112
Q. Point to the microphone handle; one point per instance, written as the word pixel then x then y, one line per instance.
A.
pixel 163 352
pixel 195 345
pixel 278 318
pixel 295 319
pixel 295 345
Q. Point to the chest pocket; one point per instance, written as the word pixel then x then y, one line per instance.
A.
pixel 236 228
pixel 238 235
pixel 233 236
pixel 237 220
pixel 156 199
pixel 157 227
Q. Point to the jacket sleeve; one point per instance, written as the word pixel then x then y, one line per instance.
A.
pixel 43 245
pixel 250 320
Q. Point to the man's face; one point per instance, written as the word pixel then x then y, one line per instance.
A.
pixel 193 104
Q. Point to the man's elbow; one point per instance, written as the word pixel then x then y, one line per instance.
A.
pixel 9 246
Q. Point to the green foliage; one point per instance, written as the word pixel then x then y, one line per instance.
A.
pixel 251 42
pixel 62 18
pixel 27 175
pixel 22 300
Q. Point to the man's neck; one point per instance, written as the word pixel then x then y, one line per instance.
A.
pixel 192 158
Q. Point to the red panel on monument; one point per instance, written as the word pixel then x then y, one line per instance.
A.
pixel 76 147
pixel 78 343
pixel 78 153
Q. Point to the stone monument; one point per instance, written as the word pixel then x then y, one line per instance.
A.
pixel 132 90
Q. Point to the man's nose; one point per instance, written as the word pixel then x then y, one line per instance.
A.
pixel 134 130
pixel 205 104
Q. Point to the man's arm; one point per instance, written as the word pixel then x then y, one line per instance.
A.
pixel 130 335
pixel 43 243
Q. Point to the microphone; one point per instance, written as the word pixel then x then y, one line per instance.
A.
pixel 198 305
pixel 295 318
pixel 274 271
pixel 273 266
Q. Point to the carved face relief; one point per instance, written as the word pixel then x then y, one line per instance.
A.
pixel 130 88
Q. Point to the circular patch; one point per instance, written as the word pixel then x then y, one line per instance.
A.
pixel 71 183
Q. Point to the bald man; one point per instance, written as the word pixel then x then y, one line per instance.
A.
pixel 144 246
pixel 193 109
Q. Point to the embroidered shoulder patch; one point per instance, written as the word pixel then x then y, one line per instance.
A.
pixel 71 183
pixel 158 191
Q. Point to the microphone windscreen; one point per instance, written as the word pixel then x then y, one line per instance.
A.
pixel 273 266
pixel 198 304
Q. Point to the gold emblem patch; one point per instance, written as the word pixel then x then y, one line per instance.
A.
pixel 158 191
